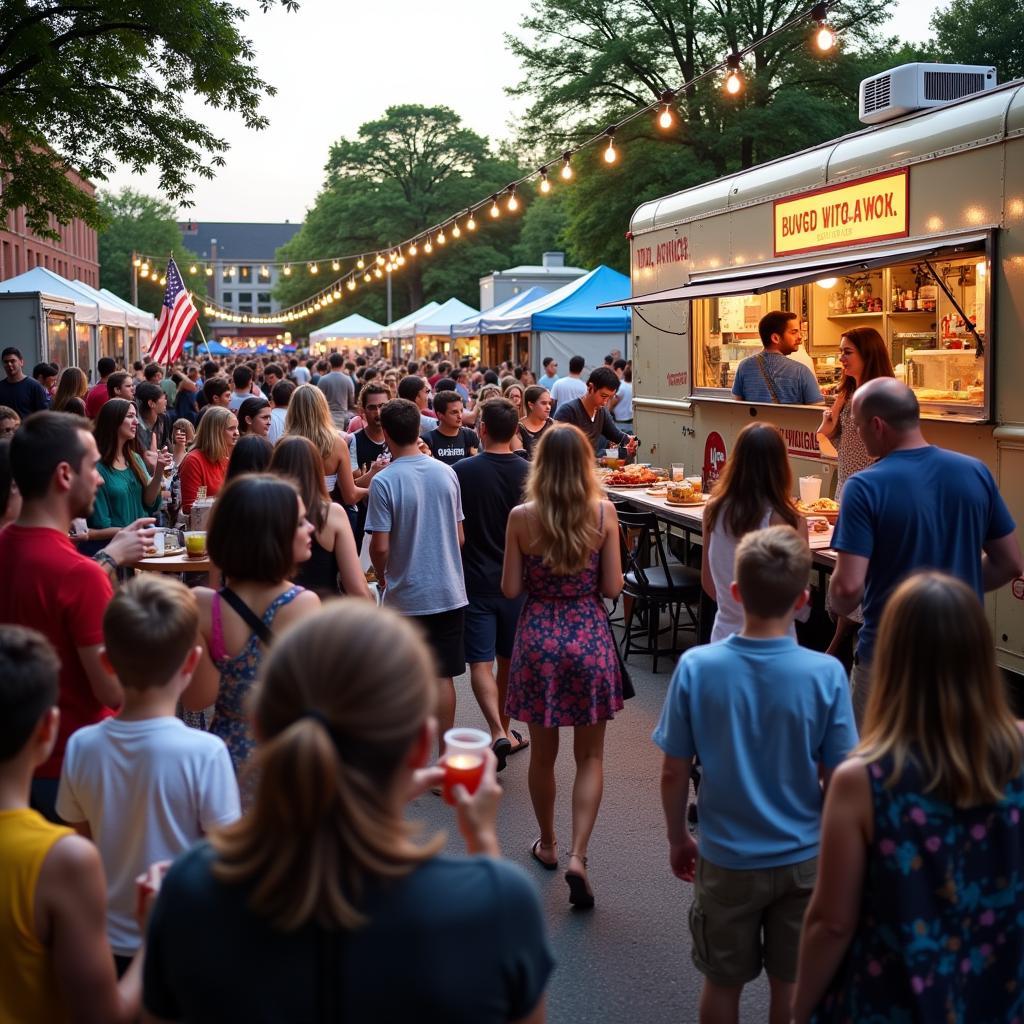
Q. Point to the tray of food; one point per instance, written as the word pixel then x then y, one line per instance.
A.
pixel 824 507
pixel 819 532
pixel 631 476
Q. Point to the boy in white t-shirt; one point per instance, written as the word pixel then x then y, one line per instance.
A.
pixel 144 786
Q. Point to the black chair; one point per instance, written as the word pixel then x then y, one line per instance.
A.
pixel 653 583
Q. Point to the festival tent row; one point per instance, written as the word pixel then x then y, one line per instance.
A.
pixel 69 322
pixel 352 328
pixel 472 326
pixel 561 324
pixel 432 331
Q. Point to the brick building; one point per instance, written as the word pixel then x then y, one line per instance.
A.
pixel 76 255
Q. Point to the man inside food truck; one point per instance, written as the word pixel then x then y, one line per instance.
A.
pixel 918 507
pixel 771 376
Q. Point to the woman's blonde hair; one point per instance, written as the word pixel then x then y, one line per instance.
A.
pixel 487 392
pixel 309 416
pixel 563 488
pixel 73 384
pixel 209 437
pixel 342 698
pixel 937 697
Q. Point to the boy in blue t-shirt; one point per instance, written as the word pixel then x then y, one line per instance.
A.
pixel 769 721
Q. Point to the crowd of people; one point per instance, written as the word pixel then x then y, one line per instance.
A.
pixel 265 726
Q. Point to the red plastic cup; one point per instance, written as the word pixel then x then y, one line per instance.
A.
pixel 465 752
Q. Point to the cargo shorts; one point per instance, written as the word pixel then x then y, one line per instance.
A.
pixel 742 921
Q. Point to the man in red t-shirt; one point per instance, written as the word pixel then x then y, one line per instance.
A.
pixel 46 584
pixel 97 396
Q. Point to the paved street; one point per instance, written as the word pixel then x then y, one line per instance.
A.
pixel 629 958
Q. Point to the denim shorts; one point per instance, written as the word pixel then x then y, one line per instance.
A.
pixel 491 627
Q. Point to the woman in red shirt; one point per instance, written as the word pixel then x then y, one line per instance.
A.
pixel 207 461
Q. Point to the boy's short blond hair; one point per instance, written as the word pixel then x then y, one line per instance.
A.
pixel 148 628
pixel 773 568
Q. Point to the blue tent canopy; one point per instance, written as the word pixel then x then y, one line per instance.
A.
pixel 571 309
pixel 215 348
pixel 470 327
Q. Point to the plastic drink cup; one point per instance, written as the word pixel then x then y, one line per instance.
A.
pixel 159 541
pixel 678 471
pixel 810 489
pixel 195 543
pixel 465 752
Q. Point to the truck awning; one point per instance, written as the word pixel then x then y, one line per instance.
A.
pixel 751 281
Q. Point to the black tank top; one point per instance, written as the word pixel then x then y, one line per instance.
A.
pixel 320 573
pixel 368 450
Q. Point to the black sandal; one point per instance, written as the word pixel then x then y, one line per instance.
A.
pixel 545 864
pixel 520 743
pixel 581 895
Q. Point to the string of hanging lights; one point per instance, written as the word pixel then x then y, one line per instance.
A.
pixel 371 265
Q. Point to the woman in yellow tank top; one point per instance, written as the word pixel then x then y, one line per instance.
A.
pixel 54 953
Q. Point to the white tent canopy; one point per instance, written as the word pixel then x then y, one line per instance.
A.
pixel 353 326
pixel 392 329
pixel 438 322
pixel 470 327
pixel 88 308
pixel 136 317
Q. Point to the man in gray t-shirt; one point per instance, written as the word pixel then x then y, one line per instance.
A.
pixel 338 388
pixel 414 516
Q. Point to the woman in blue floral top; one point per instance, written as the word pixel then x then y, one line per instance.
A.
pixel 917 912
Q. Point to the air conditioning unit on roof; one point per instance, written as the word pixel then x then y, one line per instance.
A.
pixel 913 87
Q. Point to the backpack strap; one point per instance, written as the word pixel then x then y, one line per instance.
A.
pixel 762 364
pixel 248 616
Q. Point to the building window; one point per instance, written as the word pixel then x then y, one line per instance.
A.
pixel 263 297
pixel 265 309
pixel 227 297
pixel 264 273
pixel 245 273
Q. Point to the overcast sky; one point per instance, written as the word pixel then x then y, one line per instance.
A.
pixel 334 68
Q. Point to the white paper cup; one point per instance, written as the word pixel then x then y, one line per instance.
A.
pixel 159 542
pixel 810 489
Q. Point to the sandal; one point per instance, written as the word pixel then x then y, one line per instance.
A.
pixel 547 865
pixel 581 895
pixel 502 748
pixel 520 743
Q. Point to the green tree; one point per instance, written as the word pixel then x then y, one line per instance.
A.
pixel 588 64
pixel 141 223
pixel 86 86
pixel 982 32
pixel 402 174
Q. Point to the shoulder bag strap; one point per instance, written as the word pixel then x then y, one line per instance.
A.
pixel 762 364
pixel 248 616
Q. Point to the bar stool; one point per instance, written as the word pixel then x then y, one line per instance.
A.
pixel 653 587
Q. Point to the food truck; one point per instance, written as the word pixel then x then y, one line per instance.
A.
pixel 914 227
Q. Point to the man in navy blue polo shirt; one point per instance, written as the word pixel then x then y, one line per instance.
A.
pixel 771 377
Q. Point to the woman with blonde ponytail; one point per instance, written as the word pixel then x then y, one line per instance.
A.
pixel 321 903
pixel 562 548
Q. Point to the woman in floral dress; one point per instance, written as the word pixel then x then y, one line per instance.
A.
pixel 920 894
pixel 562 549
pixel 258 535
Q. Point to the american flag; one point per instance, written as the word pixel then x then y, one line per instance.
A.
pixel 177 317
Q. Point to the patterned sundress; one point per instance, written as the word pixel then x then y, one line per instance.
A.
pixel 237 674
pixel 564 669
pixel 940 936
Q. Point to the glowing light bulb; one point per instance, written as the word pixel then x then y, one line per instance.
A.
pixel 163 282
pixel 145 267
pixel 665 118
pixel 471 223
pixel 367 278
pixel 336 293
pixel 513 202
pixel 495 212
pixel 137 262
pixel 441 239
pixel 413 250
pixel 400 261
pixel 378 273
pixel 456 231
pixel 209 271
pixel 351 284
pixel 314 269
pixel 286 270
pixel 734 79
pixel 389 268
pixel 360 263
pixel 143 272
pixel 545 185
pixel 335 265
pixel 428 248
pixel 610 154
pixel 380 260
pixel 566 166
pixel 824 38
pixel 193 269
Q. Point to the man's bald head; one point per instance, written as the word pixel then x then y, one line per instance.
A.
pixel 889 400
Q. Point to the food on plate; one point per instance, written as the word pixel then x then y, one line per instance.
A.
pixel 823 506
pixel 684 494
pixel 816 525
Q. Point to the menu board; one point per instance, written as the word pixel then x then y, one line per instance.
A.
pixel 739 314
